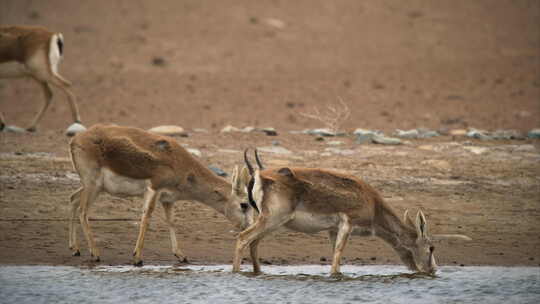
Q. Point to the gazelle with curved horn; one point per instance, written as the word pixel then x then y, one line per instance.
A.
pixel 126 161
pixel 35 52
pixel 314 200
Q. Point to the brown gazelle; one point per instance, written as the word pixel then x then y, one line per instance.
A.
pixel 36 52
pixel 131 161
pixel 313 200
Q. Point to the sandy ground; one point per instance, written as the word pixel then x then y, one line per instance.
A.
pixel 206 64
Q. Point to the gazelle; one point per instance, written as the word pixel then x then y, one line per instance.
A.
pixel 36 52
pixel 314 200
pixel 129 161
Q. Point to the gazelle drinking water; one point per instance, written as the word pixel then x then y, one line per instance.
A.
pixel 36 52
pixel 131 162
pixel 314 200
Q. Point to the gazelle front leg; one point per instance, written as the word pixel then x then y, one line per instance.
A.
pixel 263 226
pixel 167 207
pixel 343 234
pixel 151 197
pixel 254 252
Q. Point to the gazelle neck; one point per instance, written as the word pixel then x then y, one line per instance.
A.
pixel 389 227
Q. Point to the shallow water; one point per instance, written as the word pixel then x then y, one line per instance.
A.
pixel 279 284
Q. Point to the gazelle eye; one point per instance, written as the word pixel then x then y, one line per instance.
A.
pixel 431 249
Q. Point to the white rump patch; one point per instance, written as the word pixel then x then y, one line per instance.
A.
pixel 54 52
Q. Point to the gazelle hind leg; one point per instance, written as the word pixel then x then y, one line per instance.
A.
pixel 167 207
pixel 88 195
pixel 47 92
pixel 64 85
pixel 343 234
pixel 150 197
pixel 332 236
pixel 74 201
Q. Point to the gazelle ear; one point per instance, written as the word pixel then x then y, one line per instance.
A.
pixel 407 219
pixel 244 176
pixel 286 172
pixel 421 225
pixel 234 178
pixel 443 237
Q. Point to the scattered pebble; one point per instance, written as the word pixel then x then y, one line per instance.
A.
pixel 334 143
pixel 383 140
pixel 534 133
pixel 269 131
pixel 159 61
pixel 275 143
pixel 319 138
pixel 229 128
pixel 478 134
pixel 275 23
pixel 507 134
pixel 476 150
pixel 408 134
pixel 274 149
pixel 340 151
pixel 218 171
pixel 320 132
pixel 169 130
pixel 458 132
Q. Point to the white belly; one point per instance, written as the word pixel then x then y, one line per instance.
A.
pixel 309 222
pixel 123 186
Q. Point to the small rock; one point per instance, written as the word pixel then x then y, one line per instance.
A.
pixel 319 138
pixel 373 258
pixel 340 151
pixel 200 130
pixel 334 143
pixel 364 138
pixel 275 150
pixel 475 150
pixel 379 139
pixel 275 143
pixel 218 171
pixel 534 133
pixel 276 23
pixel 458 132
pixel 321 132
pixel 194 151
pixel 361 131
pixel 159 61
pixel 408 134
pixel 508 134
pixel 169 130
pixel 269 131
pixel 229 128
pixel 479 134
pixel 322 259
pixel 426 133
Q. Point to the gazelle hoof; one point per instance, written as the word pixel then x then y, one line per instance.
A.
pixel 77 253
pixel 182 260
pixel 74 129
pixel 138 264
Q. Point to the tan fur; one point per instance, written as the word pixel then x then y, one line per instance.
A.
pixel 123 161
pixel 313 200
pixel 30 46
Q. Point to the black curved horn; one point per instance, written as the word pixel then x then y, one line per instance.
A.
pixel 258 160
pixel 248 165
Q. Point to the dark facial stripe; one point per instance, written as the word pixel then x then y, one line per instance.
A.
pixel 250 194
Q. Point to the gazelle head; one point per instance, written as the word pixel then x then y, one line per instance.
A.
pixel 419 248
pixel 239 202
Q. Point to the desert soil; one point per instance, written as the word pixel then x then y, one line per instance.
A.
pixel 206 64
